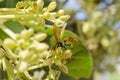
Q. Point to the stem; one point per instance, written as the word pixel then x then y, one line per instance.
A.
pixel 9 11
pixel 8 31
pixel 28 75
pixel 20 14
pixel 45 63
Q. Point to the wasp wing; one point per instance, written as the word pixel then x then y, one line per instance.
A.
pixel 55 33
pixel 62 31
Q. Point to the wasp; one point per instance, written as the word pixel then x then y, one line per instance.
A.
pixel 59 41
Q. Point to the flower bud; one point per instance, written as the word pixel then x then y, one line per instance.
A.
pixel 18 36
pixel 19 5
pixel 64 17
pixel 112 9
pixel 40 36
pixel 22 66
pixel 30 31
pixel 22 43
pixel 27 33
pixel 92 46
pixel 34 7
pixel 111 33
pixel 44 54
pixel 97 15
pixel 54 14
pixel 44 10
pixel 67 54
pixel 51 6
pixel 61 12
pixel 40 4
pixel 24 54
pixel 86 27
pixel 59 22
pixel 34 59
pixel 41 21
pixel 9 43
pixel 25 4
pixel 41 47
pixel 105 42
pixel 46 15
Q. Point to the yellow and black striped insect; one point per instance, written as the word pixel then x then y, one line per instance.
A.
pixel 59 41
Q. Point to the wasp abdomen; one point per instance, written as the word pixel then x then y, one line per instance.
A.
pixel 69 39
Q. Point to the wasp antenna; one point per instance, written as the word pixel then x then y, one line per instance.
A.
pixel 62 31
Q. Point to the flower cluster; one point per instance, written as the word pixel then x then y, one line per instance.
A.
pixel 43 13
pixel 27 50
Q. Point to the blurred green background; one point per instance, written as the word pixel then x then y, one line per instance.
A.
pixel 97 23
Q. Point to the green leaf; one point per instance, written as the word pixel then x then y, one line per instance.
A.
pixel 8 3
pixel 64 76
pixel 14 26
pixel 9 69
pixel 1 0
pixel 3 35
pixel 80 65
pixel 37 28
pixel 11 3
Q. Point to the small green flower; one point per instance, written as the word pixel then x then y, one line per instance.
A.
pixel 10 43
pixel 51 6
pixel 40 36
pixel 22 66
pixel 64 17
pixel 61 12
